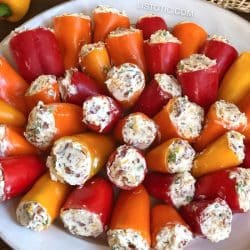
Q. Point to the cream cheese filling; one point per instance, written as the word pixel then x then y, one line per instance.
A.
pixel 82 222
pixel 128 167
pixel 108 9
pixel 218 38
pixel 122 32
pixel 33 215
pixel 2 185
pixel 236 144
pixel 88 48
pixel 163 36
pixel 4 144
pixel 69 162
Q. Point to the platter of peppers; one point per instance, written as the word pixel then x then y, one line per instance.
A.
pixel 123 131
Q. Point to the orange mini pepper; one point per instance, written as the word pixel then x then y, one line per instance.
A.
pixel 126 45
pixel 85 155
pixel 244 106
pixel 12 143
pixel 107 20
pixel 227 151
pixel 49 122
pixel 165 216
pixel 192 37
pixel 72 31
pixel 221 117
pixel 164 157
pixel 45 88
pixel 236 82
pixel 12 86
pixel 10 115
pixel 94 60
pixel 169 128
pixel 132 211
pixel 47 197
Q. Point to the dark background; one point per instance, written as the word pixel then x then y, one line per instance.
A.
pixel 36 7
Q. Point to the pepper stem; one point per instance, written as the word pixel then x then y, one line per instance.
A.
pixel 5 10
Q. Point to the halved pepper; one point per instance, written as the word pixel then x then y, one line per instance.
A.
pixel 162 53
pixel 227 151
pixel 72 31
pixel 168 229
pixel 231 185
pixel 10 115
pixel 131 216
pixel 238 73
pixel 93 203
pixel 39 208
pixel 199 79
pixel 156 94
pixel 94 60
pixel 76 87
pixel 36 52
pixel 13 143
pixel 49 122
pixel 107 19
pixel 75 159
pixel 244 106
pixel 219 49
pixel 45 88
pixel 131 50
pixel 18 174
pixel 221 117
pixel 192 37
pixel 12 86
pixel 173 156
pixel 149 24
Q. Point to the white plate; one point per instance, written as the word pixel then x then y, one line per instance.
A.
pixel 215 21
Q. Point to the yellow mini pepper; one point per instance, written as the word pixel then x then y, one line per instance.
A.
pixel 13 10
pixel 48 195
pixel 236 83
pixel 225 152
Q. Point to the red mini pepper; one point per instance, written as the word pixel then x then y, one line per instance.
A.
pixel 157 94
pixel 150 24
pixel 246 162
pixel 76 87
pixel 18 174
pixel 223 184
pixel 159 186
pixel 162 56
pixel 224 54
pixel 96 197
pixel 36 52
pixel 199 84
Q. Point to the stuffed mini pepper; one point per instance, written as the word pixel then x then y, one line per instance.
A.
pixel 76 87
pixel 162 53
pixel 227 151
pixel 157 93
pixel 125 83
pixel 75 159
pixel 107 19
pixel 218 48
pixel 125 45
pixel 199 79
pixel 180 118
pixel 173 156
pixel 168 229
pixel 130 222
pixel 222 116
pixel 137 130
pixel 176 190
pixel 41 205
pixel 87 209
pixel 36 52
pixel 101 113
pixel 211 219
pixel 232 185
pixel 48 122
pixel 45 88
pixel 149 24
pixel 126 167
pixel 18 174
